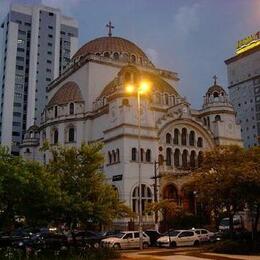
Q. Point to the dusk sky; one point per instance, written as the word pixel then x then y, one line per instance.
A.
pixel 190 37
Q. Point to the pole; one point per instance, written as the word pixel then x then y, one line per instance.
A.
pixel 139 173
pixel 155 196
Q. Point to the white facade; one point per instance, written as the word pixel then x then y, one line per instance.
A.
pixel 89 103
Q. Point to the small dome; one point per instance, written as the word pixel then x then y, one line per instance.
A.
pixel 69 92
pixel 215 89
pixel 105 46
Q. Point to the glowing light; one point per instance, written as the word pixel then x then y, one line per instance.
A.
pixel 248 43
pixel 144 87
pixel 130 88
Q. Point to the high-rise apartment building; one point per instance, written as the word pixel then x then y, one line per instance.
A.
pixel 243 71
pixel 38 42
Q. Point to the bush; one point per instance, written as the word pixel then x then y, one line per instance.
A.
pixel 235 247
pixel 90 254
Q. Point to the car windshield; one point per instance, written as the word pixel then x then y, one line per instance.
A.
pixel 172 233
pixel 224 222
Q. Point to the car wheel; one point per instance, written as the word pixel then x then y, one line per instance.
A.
pixel 87 246
pixel 145 245
pixel 96 245
pixel 117 246
pixel 196 243
pixel 173 244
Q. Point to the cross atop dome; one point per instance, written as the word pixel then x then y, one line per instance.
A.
pixel 215 79
pixel 110 27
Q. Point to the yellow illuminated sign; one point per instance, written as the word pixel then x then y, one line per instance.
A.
pixel 248 43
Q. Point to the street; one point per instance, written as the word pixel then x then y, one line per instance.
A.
pixel 181 254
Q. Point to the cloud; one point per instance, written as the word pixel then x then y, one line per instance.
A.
pixel 187 20
pixel 152 55
pixel 66 6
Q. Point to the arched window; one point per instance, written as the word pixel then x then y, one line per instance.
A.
pixel 148 155
pixel 55 111
pixel 55 136
pixel 43 136
pixel 114 156
pixel 142 154
pixel 184 136
pixel 192 138
pixel 170 193
pixel 146 197
pixel 168 156
pixel 205 121
pixel 200 142
pixel 200 159
pixel 116 56
pixel 176 136
pixel 109 157
pixel 106 54
pixel 134 154
pixel 208 121
pixel 192 159
pixel 217 118
pixel 160 159
pixel 133 59
pixel 185 159
pixel 71 134
pixel 118 155
pixel 71 109
pixel 177 158
pixel 168 138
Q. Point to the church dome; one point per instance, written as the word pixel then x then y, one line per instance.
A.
pixel 215 90
pixel 114 47
pixel 69 92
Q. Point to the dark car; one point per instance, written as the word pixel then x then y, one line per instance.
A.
pixel 154 235
pixel 85 239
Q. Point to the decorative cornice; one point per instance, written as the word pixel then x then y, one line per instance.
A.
pixel 130 136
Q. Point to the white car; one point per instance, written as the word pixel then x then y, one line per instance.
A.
pixel 205 235
pixel 126 239
pixel 179 238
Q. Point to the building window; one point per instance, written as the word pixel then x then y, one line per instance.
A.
pixel 114 156
pixel 109 157
pixel 177 158
pixel 169 156
pixel 185 159
pixel 116 56
pixel 148 155
pixel 142 154
pixel 217 118
pixel 184 136
pixel 71 134
pixel 134 154
pixel 200 142
pixel 200 159
pixel 133 59
pixel 160 159
pixel 71 109
pixel 168 138
pixel 176 136
pixel 146 197
pixel 193 159
pixel 55 136
pixel 192 138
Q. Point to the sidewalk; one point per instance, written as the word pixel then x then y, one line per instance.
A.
pixel 181 254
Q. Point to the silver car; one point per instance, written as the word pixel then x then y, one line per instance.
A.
pixel 125 240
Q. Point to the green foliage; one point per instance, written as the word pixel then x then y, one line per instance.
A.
pixel 228 180
pixel 88 198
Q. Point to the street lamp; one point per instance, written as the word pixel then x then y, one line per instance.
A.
pixel 142 88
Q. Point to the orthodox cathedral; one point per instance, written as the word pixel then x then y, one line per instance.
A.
pixel 89 103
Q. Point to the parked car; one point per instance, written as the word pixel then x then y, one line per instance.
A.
pixel 175 238
pixel 238 224
pixel 153 235
pixel 85 238
pixel 205 235
pixel 126 239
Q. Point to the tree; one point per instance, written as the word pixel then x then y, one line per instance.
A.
pixel 26 190
pixel 88 198
pixel 219 182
